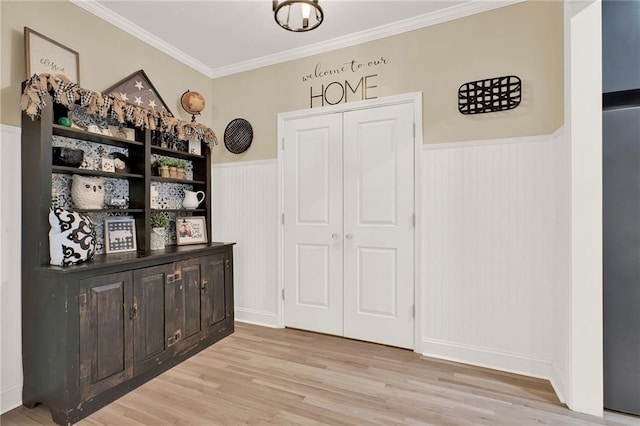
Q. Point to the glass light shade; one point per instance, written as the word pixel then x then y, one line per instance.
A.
pixel 298 15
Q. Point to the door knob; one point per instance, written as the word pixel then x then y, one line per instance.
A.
pixel 349 236
pixel 334 236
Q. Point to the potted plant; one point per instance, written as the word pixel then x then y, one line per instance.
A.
pixel 173 168
pixel 182 168
pixel 158 230
pixel 163 166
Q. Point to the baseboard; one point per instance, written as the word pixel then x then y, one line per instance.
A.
pixel 11 398
pixel 557 380
pixel 263 318
pixel 488 358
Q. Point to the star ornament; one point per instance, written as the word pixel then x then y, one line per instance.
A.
pixel 139 85
pixel 123 96
pixel 138 101
pixel 152 104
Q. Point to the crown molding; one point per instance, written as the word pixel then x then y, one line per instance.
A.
pixel 127 26
pixel 471 7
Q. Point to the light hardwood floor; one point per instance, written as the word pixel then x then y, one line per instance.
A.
pixel 282 376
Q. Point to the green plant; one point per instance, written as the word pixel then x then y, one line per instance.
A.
pixel 181 164
pixel 158 220
pixel 163 162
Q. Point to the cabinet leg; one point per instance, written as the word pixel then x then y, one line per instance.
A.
pixel 30 404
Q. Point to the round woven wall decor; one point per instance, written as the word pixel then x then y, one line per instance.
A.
pixel 238 136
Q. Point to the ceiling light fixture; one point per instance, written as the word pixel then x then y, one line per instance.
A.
pixel 298 15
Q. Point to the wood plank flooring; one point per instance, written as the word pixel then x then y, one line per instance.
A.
pixel 263 376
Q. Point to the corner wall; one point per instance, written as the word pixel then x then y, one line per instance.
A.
pixel 583 118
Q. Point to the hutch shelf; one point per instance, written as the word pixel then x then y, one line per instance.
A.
pixel 93 331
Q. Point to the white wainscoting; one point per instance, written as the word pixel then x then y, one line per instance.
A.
pixel 245 211
pixel 488 221
pixel 10 222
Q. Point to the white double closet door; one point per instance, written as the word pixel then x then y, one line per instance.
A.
pixel 348 197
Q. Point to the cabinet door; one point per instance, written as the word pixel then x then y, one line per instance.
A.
pixel 217 298
pixel 151 340
pixel 184 307
pixel 106 357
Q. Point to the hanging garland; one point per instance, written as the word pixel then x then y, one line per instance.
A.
pixel 66 93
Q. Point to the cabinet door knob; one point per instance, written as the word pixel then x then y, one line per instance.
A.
pixel 334 236
pixel 203 286
pixel 227 263
pixel 349 236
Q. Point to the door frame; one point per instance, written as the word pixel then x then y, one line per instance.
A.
pixel 414 98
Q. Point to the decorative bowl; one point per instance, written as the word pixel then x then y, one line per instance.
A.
pixel 69 157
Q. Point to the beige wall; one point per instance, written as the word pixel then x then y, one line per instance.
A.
pixel 107 55
pixel 525 39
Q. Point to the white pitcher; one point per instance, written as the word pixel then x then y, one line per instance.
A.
pixel 192 199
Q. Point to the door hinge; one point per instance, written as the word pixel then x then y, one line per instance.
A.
pixel 283 294
pixel 413 311
pixel 283 144
pixel 414 130
pixel 413 221
pixel 283 218
pixel 82 299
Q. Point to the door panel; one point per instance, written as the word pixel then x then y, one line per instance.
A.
pixel 312 283
pixel 183 304
pixel 150 343
pixel 190 271
pixel 378 225
pixel 377 286
pixel 313 224
pixel 214 275
pixel 106 358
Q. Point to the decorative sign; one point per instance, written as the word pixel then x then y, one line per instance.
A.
pixel 350 87
pixel 45 55
pixel 490 95
pixel 138 90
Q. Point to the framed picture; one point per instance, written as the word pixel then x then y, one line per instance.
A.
pixel 138 90
pixel 123 132
pixel 191 230
pixel 45 55
pixel 194 146
pixel 120 235
pixel 108 164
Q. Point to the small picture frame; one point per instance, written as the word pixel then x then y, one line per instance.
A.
pixel 123 132
pixel 191 230
pixel 120 235
pixel 45 55
pixel 195 146
pixel 108 165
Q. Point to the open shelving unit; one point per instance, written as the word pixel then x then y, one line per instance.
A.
pixel 95 330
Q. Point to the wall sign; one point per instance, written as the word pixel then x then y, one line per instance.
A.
pixel 45 55
pixel 345 85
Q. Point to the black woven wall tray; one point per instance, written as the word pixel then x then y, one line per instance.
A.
pixel 238 135
pixel 490 95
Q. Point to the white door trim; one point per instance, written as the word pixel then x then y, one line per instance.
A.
pixel 414 98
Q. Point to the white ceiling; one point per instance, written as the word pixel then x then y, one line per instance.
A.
pixel 224 37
